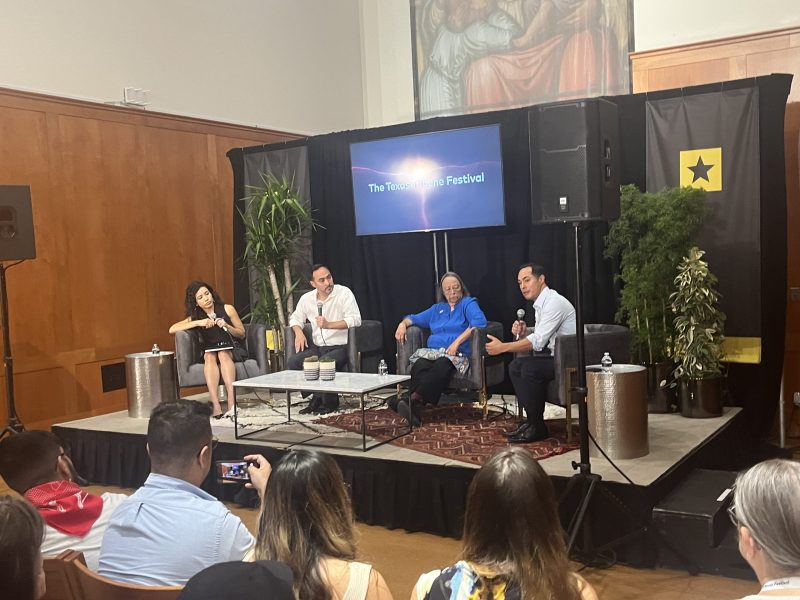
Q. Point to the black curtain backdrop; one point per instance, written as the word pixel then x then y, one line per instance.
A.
pixel 393 275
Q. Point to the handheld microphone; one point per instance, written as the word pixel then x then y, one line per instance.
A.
pixel 319 309
pixel 213 317
pixel 520 317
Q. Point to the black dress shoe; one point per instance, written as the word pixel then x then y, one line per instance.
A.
pixel 313 406
pixel 523 426
pixel 531 434
pixel 326 410
pixel 408 413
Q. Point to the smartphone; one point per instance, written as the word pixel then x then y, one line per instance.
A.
pixel 235 471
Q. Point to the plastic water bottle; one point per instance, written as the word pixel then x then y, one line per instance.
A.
pixel 383 368
pixel 156 349
pixel 606 363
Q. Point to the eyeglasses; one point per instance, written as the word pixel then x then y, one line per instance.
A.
pixel 455 288
pixel 732 515
pixel 214 443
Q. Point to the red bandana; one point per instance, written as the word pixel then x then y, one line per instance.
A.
pixel 66 507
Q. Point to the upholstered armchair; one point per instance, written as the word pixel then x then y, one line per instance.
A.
pixel 484 370
pixel 364 344
pixel 597 339
pixel 189 356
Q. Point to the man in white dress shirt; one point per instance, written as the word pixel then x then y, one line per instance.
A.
pixel 34 464
pixel 531 375
pixel 332 310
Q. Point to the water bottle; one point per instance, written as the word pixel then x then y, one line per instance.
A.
pixel 383 368
pixel 605 362
pixel 156 349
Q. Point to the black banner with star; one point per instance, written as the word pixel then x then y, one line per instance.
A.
pixel 711 141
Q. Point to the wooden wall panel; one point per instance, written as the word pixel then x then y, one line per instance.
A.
pixel 128 207
pixel 735 58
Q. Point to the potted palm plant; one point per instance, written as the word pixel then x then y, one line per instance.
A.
pixel 699 326
pixel 653 232
pixel 274 218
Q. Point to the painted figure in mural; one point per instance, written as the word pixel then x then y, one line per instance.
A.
pixel 490 54
pixel 461 31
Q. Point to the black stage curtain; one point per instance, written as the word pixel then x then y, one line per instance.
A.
pixel 393 275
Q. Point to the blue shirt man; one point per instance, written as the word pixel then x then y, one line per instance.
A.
pixel 167 531
pixel 170 529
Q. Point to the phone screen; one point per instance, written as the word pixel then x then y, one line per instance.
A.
pixel 232 471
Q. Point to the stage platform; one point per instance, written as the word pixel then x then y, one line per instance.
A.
pixel 402 488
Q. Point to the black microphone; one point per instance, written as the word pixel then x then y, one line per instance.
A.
pixel 520 317
pixel 319 308
pixel 213 317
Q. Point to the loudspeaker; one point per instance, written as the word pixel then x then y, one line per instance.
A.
pixel 16 223
pixel 575 161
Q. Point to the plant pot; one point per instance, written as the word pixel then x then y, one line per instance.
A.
pixel 701 398
pixel 311 369
pixel 327 370
pixel 660 399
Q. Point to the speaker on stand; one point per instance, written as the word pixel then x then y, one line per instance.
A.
pixel 17 243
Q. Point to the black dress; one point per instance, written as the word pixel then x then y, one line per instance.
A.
pixel 215 338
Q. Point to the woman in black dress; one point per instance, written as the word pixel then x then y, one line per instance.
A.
pixel 217 324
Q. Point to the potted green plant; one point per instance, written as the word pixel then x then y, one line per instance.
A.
pixel 653 232
pixel 699 327
pixel 274 218
pixel 327 368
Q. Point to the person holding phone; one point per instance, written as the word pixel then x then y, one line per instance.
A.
pixel 217 324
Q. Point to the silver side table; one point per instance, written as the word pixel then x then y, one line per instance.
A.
pixel 152 379
pixel 617 406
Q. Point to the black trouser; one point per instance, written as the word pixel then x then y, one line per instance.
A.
pixel 339 354
pixel 530 376
pixel 429 378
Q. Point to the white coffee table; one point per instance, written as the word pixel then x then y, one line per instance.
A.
pixel 356 384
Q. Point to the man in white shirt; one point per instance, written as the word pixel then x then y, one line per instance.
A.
pixel 170 529
pixel 332 310
pixel 531 375
pixel 34 464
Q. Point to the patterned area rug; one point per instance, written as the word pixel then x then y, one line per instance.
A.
pixel 454 432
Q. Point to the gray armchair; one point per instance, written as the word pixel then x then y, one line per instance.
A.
pixel 364 345
pixel 189 356
pixel 484 370
pixel 597 339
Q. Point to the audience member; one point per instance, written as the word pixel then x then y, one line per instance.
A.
pixel 306 521
pixel 21 568
pixel 530 375
pixel 34 464
pixel 766 514
pixel 260 580
pixel 332 310
pixel 451 321
pixel 217 324
pixel 513 542
pixel 170 529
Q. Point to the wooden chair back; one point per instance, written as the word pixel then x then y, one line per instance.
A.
pixel 70 574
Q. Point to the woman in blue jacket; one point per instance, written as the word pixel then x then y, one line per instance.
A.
pixel 451 321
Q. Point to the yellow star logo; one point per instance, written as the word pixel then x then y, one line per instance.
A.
pixel 702 169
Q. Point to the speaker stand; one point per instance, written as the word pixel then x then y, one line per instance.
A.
pixel 584 481
pixel 14 425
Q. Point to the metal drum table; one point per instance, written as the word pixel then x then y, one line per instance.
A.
pixel 617 405
pixel 152 379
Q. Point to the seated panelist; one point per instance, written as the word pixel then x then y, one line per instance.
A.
pixel 451 321
pixel 217 323
pixel 332 310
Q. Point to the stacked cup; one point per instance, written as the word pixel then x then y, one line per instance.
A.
pixel 311 368
pixel 327 369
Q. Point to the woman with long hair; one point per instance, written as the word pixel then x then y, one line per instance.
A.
pixel 306 521
pixel 217 323
pixel 766 515
pixel 513 542
pixel 450 321
pixel 21 534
